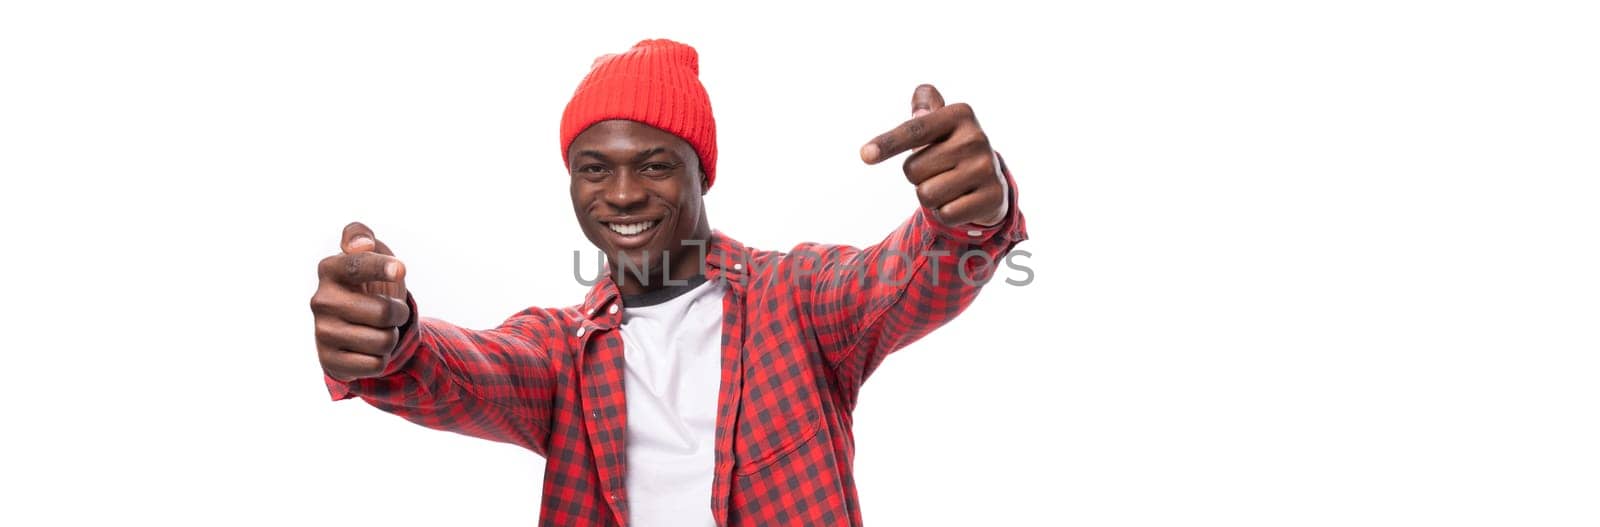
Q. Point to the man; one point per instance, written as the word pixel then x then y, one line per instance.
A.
pixel 700 382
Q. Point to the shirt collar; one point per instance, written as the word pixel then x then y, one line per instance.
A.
pixel 726 259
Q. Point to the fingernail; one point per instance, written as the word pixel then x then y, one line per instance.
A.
pixel 919 112
pixel 360 242
pixel 869 153
pixel 392 270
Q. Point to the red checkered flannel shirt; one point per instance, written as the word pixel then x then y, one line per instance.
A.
pixel 800 332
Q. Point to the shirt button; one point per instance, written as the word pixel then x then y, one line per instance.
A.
pixel 614 309
pixel 596 414
pixel 613 496
pixel 974 233
pixel 738 267
pixel 580 330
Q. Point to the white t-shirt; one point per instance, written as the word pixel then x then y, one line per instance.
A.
pixel 672 341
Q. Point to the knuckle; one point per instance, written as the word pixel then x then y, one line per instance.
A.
pixel 986 165
pixel 325 334
pixel 326 265
pixel 974 143
pixel 887 143
pixel 352 264
pixel 912 173
pixel 321 303
pixel 916 128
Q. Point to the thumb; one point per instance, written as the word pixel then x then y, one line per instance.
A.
pixel 357 237
pixel 925 99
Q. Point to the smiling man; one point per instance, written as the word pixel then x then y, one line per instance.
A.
pixel 700 382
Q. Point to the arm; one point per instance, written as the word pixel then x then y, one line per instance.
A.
pixel 495 384
pixel 867 303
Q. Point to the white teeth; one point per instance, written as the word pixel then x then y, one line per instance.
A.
pixel 630 229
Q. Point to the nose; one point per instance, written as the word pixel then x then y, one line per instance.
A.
pixel 624 192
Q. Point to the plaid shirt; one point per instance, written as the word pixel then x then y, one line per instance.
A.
pixel 800 332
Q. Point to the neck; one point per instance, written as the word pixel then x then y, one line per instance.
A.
pixel 679 265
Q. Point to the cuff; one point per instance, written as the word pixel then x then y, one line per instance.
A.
pixel 1012 228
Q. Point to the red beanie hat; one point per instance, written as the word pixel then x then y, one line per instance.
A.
pixel 657 82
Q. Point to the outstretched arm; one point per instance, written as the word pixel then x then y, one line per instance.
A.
pixel 866 303
pixel 495 384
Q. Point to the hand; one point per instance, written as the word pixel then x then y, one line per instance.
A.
pixel 956 173
pixel 359 306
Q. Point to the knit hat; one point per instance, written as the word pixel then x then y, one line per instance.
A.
pixel 657 82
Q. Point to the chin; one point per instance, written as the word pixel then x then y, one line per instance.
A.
pixel 646 261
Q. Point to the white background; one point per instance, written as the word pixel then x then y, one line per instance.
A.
pixel 1296 263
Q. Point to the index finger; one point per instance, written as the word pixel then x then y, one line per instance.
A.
pixel 922 130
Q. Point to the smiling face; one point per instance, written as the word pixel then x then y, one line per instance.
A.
pixel 637 192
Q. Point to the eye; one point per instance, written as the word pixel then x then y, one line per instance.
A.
pixel 656 169
pixel 591 171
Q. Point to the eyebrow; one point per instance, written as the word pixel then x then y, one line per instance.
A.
pixel 640 157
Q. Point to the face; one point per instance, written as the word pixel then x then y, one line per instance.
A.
pixel 637 192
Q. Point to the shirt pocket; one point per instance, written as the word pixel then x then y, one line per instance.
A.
pixel 781 406
pixel 804 484
pixel 775 455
